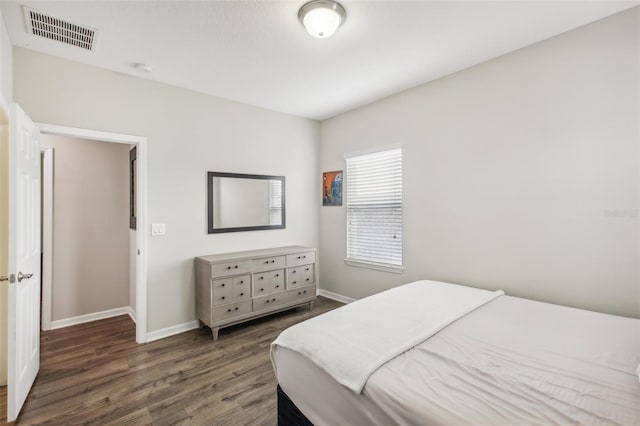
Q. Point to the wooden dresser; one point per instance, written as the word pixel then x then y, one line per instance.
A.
pixel 236 287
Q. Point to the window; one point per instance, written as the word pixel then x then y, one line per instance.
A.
pixel 374 210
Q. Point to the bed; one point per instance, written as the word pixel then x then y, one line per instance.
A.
pixel 497 360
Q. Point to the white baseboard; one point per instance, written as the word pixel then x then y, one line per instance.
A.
pixel 67 322
pixel 335 296
pixel 170 331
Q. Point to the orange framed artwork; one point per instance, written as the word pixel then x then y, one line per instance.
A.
pixel 332 188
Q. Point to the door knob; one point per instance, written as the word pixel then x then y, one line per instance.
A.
pixel 22 276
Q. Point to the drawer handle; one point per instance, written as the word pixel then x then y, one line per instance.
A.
pixel 242 282
pixel 262 278
pixel 278 286
pixel 267 300
pixel 293 272
pixel 228 267
pixel 273 300
pixel 222 297
pixel 307 269
pixel 222 285
pixel 299 293
pixel 229 310
pixel 262 289
pixel 307 279
pixel 277 275
pixel 299 257
pixel 305 292
pixel 236 308
pixel 295 282
pixel 236 266
pixel 273 261
pixel 241 294
pixel 266 261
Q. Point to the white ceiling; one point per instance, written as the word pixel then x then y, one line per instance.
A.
pixel 256 52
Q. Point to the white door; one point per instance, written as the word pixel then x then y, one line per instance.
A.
pixel 24 260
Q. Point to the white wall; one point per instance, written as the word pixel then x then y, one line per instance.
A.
pixel 90 226
pixel 188 134
pixel 521 173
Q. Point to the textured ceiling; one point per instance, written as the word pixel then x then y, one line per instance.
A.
pixel 257 52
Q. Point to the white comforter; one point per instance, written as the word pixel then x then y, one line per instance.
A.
pixel 510 362
pixel 374 330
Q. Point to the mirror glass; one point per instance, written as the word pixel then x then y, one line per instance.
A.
pixel 241 202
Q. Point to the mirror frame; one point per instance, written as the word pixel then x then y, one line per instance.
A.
pixel 211 175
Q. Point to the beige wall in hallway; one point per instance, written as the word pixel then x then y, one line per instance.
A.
pixel 90 226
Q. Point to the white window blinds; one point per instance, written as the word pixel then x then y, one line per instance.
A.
pixel 374 208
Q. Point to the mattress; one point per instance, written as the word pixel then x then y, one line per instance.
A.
pixel 511 361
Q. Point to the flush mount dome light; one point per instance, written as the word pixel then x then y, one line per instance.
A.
pixel 321 18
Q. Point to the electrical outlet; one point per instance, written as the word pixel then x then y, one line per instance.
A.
pixel 157 229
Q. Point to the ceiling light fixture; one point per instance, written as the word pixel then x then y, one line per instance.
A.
pixel 321 18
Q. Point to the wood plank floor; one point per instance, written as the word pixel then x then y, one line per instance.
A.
pixel 95 373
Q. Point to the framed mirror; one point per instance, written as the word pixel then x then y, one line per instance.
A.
pixel 242 202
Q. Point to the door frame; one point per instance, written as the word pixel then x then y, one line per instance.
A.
pixel 141 204
pixel 47 234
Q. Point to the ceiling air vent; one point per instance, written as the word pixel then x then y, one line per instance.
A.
pixel 60 30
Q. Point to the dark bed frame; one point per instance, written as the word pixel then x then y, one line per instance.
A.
pixel 288 413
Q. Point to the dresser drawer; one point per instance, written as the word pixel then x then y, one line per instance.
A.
pixel 225 312
pixel 268 263
pixel 300 276
pixel 230 268
pixel 308 274
pixel 261 284
pixel 301 258
pixel 268 282
pixel 268 302
pixel 241 290
pixel 277 280
pixel 302 293
pixel 222 290
pixel 297 277
pixel 241 280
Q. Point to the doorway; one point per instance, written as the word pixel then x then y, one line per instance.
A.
pixel 138 244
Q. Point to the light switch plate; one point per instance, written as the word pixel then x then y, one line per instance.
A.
pixel 157 229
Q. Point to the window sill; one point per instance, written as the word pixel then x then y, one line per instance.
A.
pixel 377 266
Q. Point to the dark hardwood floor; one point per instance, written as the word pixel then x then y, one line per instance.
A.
pixel 95 373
